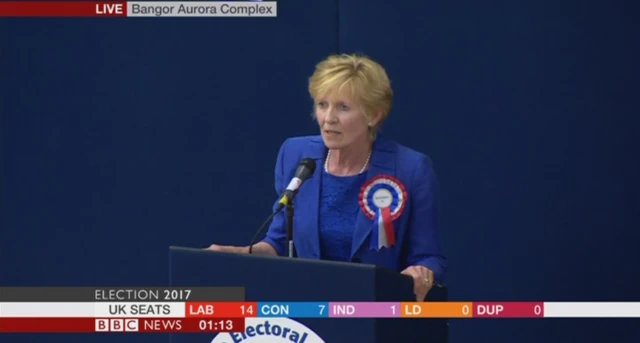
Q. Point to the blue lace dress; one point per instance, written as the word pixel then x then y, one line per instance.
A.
pixel 338 212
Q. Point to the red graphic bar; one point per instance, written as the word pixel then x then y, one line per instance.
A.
pixel 63 9
pixel 47 324
pixel 508 309
pixel 221 309
pixel 126 325
pixel 192 325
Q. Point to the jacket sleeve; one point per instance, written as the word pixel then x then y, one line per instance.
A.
pixel 276 235
pixel 423 235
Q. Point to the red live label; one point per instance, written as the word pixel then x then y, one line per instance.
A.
pixel 110 8
pixel 63 9
pixel 508 309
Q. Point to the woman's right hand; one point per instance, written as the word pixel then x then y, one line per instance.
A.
pixel 229 248
pixel 260 248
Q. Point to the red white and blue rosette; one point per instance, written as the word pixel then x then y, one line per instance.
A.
pixel 382 199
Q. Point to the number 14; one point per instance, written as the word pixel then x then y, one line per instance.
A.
pixel 247 309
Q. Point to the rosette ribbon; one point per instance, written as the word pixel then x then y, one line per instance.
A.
pixel 382 199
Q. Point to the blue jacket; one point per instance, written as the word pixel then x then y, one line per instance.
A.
pixel 416 230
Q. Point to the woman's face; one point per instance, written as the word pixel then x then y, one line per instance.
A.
pixel 342 121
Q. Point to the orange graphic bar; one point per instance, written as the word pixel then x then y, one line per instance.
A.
pixel 437 309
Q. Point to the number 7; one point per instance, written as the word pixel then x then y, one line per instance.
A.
pixel 321 308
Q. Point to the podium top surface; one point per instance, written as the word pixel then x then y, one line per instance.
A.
pixel 271 278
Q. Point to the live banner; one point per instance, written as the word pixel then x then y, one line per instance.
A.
pixel 137 9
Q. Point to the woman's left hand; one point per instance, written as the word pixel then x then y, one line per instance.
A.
pixel 422 280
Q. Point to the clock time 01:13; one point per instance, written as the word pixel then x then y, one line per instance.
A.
pixel 221 325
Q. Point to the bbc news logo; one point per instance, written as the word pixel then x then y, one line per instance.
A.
pixel 116 325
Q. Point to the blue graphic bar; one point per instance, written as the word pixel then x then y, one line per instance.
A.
pixel 293 309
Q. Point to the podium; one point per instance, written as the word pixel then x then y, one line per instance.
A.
pixel 282 279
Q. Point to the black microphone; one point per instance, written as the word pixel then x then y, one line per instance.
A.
pixel 306 167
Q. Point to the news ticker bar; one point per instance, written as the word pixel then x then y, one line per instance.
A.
pixel 138 9
pixel 213 310
pixel 148 325
pixel 124 294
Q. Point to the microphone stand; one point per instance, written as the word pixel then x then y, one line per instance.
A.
pixel 290 248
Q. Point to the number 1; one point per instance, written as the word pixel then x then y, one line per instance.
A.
pixel 393 309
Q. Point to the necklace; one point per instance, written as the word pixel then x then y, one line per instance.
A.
pixel 326 163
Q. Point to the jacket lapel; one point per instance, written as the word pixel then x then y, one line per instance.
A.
pixel 317 151
pixel 382 161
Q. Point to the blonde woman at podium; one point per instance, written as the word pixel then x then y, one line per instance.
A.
pixel 370 200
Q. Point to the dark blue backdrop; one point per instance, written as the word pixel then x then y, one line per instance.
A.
pixel 120 137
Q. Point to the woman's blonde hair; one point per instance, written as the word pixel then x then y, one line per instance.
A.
pixel 364 80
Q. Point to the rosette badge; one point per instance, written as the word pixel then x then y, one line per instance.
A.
pixel 382 199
